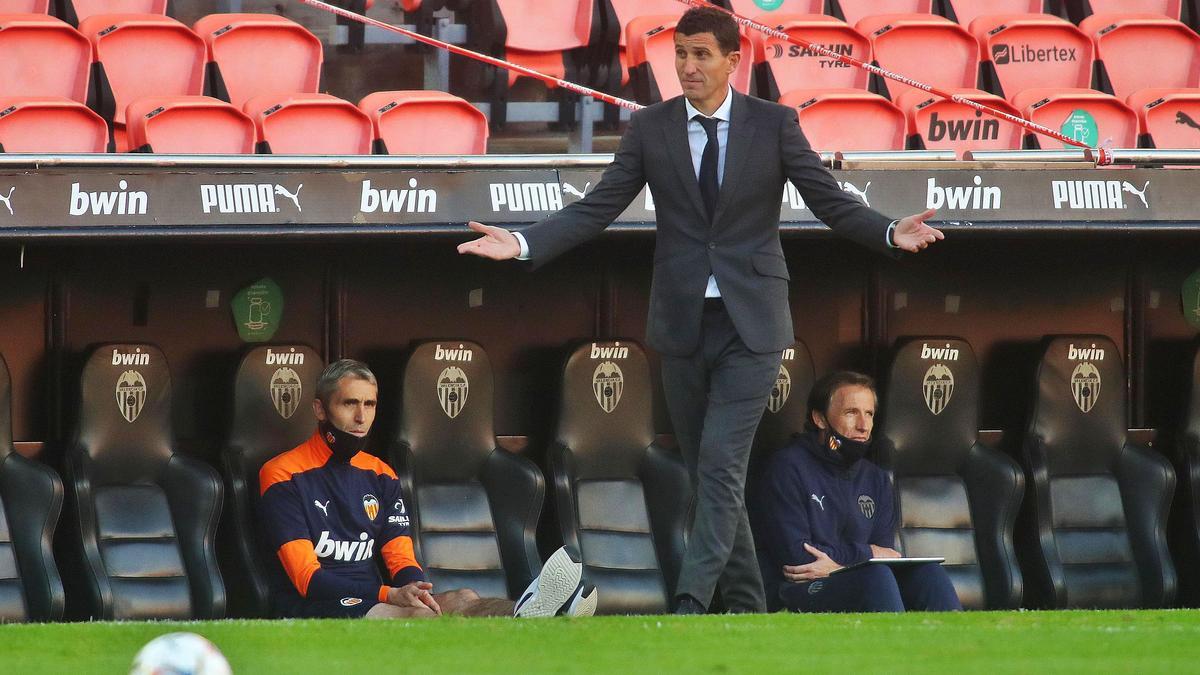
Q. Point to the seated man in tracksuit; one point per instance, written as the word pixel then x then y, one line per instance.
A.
pixel 819 505
pixel 333 515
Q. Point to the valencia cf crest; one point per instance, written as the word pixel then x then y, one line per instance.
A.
pixel 938 387
pixel 781 390
pixel 452 388
pixel 607 383
pixel 131 394
pixel 1085 386
pixel 285 392
pixel 867 506
pixel 371 506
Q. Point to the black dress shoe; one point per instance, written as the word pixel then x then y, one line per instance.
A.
pixel 689 605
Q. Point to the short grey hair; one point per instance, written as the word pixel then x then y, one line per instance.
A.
pixel 327 384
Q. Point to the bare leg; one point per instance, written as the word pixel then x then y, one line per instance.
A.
pixel 386 611
pixel 466 602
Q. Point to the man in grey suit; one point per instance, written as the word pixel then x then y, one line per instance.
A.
pixel 716 162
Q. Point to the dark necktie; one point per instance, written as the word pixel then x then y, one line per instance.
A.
pixel 709 188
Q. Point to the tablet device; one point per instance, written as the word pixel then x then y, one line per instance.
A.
pixel 890 562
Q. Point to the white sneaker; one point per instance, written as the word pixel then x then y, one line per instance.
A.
pixel 558 590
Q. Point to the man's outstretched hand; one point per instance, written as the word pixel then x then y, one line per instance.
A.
pixel 912 234
pixel 497 243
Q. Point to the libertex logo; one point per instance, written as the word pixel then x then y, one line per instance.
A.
pixel 1004 54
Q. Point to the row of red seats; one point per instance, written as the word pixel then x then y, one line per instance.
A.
pixel 386 122
pixel 74 11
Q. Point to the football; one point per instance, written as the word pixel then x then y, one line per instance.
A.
pixel 180 654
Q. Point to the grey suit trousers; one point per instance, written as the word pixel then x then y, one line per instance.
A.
pixel 716 398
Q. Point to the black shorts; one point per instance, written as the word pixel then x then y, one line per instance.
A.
pixel 345 608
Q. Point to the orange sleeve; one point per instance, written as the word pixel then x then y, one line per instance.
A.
pixel 299 560
pixel 398 554
pixel 383 591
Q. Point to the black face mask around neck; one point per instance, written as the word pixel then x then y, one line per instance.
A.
pixel 344 445
pixel 847 450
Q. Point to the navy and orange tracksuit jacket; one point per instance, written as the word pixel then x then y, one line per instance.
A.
pixel 328 519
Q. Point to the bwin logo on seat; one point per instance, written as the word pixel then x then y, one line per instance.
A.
pixel 607 384
pixel 938 387
pixel 946 353
pixel 616 351
pixel 1085 386
pixel 781 390
pixel 460 354
pixel 452 390
pixel 977 197
pixel 1084 353
pixel 285 392
pixel 131 395
pixel 524 197
pixel 291 358
pixel 137 358
pixel 120 203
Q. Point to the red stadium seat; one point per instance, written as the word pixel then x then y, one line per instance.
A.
pixel 966 11
pixel 1116 124
pixel 1138 51
pixel 50 125
pixel 853 11
pixel 142 55
pixel 189 125
pixel 847 120
pixel 75 11
pixel 256 54
pixel 542 35
pixel 309 124
pixel 1167 118
pixel 1078 10
pixel 1024 51
pixel 652 59
pixel 782 66
pixel 926 48
pixel 625 11
pixel 753 9
pixel 425 123
pixel 42 56
pixel 936 123
pixel 24 6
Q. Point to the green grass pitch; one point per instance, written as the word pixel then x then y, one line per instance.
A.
pixel 988 642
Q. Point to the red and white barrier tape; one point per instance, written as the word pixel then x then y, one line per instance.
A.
pixel 1103 155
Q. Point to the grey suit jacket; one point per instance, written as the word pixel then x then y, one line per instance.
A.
pixel 740 246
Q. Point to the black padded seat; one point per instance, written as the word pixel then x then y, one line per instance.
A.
pixel 273 391
pixel 1093 534
pixel 147 516
pixel 1186 514
pixel 621 500
pixel 475 505
pixel 955 498
pixel 31 498
pixel 788 405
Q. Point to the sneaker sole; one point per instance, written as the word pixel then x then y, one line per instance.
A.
pixel 554 586
pixel 584 603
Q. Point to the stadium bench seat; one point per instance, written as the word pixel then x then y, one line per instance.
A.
pixel 1115 123
pixel 1078 10
pixel 31 497
pixel 620 14
pixel 555 38
pixel 1093 534
pixel 50 125
pixel 124 74
pixel 272 413
pixel 1026 51
pixel 1167 118
pixel 309 124
pixel 63 58
pixel 189 124
pixel 753 9
pixel 966 11
pixel 24 6
pixel 955 497
pixel 425 123
pixel 621 500
pixel 936 123
pixel 1125 64
pixel 847 120
pixel 926 48
pixel 75 12
pixel 787 408
pixel 781 66
pixel 652 60
pixel 255 54
pixel 853 11
pixel 1185 515
pixel 474 506
pixel 147 514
